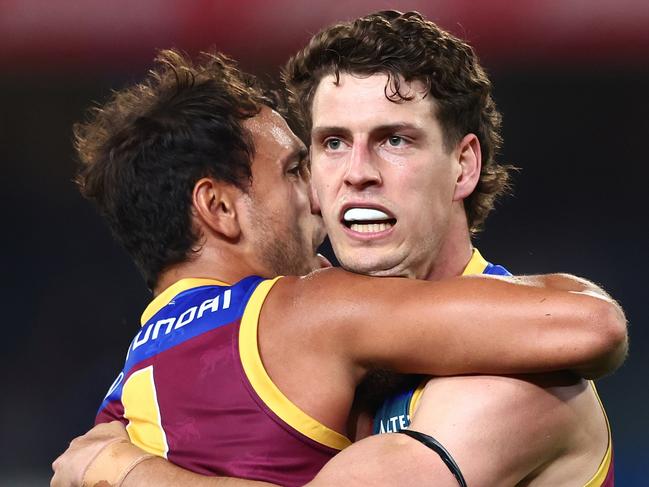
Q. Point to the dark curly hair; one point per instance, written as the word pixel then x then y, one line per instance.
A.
pixel 142 152
pixel 407 47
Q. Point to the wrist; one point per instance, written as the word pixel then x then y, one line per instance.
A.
pixel 113 463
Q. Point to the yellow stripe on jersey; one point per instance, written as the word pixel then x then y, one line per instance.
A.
pixel 599 477
pixel 477 264
pixel 264 386
pixel 141 409
pixel 416 396
pixel 162 299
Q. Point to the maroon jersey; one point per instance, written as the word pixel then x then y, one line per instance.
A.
pixel 194 389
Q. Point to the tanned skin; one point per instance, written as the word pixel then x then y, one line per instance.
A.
pixel 358 323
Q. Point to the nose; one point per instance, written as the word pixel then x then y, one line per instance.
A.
pixel 362 170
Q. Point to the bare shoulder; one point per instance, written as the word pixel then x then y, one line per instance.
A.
pixel 319 299
pixel 505 430
pixel 328 301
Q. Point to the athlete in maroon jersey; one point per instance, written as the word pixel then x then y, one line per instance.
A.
pixel 196 356
pixel 168 163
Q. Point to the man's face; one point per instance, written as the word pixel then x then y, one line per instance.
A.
pixel 382 176
pixel 286 233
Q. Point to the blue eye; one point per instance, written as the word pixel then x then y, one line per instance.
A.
pixel 396 140
pixel 333 144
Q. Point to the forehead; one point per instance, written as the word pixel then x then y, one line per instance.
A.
pixel 272 137
pixel 361 101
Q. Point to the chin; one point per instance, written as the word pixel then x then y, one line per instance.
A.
pixel 374 267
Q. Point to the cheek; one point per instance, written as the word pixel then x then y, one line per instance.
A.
pixel 398 159
pixel 426 197
pixel 326 172
pixel 299 201
pixel 321 191
pixel 437 183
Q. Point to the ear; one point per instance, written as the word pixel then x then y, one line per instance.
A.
pixel 214 204
pixel 469 157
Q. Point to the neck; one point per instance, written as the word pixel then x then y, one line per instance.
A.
pixel 455 251
pixel 208 263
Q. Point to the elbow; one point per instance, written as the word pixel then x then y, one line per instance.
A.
pixel 615 335
pixel 609 339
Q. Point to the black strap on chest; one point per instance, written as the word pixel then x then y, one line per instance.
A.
pixel 436 446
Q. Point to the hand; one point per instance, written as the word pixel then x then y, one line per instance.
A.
pixel 71 466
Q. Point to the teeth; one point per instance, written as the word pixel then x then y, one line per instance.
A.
pixel 369 227
pixel 364 214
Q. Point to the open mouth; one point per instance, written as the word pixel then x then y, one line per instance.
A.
pixel 367 220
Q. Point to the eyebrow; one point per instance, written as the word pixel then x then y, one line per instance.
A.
pixel 396 127
pixel 300 153
pixel 321 132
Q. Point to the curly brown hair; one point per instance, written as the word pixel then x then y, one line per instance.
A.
pixel 142 152
pixel 405 46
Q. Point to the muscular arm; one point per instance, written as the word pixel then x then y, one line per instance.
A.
pixel 457 326
pixel 385 461
pixel 104 456
pixel 353 467
pixel 158 472
pixel 501 431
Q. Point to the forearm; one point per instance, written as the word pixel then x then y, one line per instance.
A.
pixel 158 472
pixel 105 456
pixel 486 325
pixel 385 461
pixel 550 322
pixel 615 342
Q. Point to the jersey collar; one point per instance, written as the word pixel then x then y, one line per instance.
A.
pixel 477 264
pixel 172 291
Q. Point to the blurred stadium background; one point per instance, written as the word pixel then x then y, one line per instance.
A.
pixel 571 77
